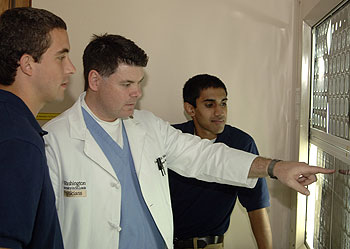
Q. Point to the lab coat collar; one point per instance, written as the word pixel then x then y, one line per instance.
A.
pixel 77 126
pixel 78 130
pixel 136 136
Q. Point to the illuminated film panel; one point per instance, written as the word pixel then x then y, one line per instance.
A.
pixel 328 206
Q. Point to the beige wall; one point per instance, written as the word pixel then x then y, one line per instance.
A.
pixel 250 45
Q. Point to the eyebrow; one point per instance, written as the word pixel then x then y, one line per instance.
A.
pixel 131 81
pixel 213 100
pixel 142 79
pixel 62 51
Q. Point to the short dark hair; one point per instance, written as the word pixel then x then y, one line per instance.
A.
pixel 105 52
pixel 24 31
pixel 198 83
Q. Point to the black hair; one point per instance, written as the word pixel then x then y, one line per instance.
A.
pixel 24 31
pixel 105 52
pixel 198 83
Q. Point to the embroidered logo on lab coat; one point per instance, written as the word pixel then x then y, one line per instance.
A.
pixel 74 189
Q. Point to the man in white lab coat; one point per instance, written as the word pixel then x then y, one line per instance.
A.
pixel 109 162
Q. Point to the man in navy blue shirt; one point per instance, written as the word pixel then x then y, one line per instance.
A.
pixel 201 209
pixel 34 70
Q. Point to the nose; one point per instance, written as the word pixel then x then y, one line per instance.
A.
pixel 70 68
pixel 219 110
pixel 136 91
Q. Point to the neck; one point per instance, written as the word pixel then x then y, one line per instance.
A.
pixel 93 103
pixel 204 134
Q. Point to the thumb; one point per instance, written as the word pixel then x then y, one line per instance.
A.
pixel 299 187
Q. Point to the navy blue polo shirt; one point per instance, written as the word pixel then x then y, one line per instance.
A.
pixel 28 217
pixel 204 208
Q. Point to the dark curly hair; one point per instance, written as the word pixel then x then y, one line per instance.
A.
pixel 196 84
pixel 24 31
pixel 105 52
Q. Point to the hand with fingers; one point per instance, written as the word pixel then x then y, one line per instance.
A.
pixel 297 175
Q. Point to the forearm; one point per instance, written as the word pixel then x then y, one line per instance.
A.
pixel 260 224
pixel 259 167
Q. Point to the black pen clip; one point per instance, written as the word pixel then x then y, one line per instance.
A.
pixel 160 166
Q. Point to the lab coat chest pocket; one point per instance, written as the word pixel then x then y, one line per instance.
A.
pixel 153 174
pixel 153 178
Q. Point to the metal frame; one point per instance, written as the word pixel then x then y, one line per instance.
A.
pixel 307 134
pixel 300 200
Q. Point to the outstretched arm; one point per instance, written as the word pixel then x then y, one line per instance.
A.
pixel 295 175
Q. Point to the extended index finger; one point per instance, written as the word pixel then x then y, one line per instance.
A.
pixel 317 170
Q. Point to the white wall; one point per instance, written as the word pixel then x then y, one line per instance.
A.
pixel 248 44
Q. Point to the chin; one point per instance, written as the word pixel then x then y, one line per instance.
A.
pixel 58 98
pixel 219 131
pixel 127 114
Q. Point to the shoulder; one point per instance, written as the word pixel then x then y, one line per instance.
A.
pixel 150 123
pixel 17 128
pixel 147 118
pixel 56 122
pixel 233 131
pixel 60 123
pixel 143 114
pixel 238 139
pixel 187 127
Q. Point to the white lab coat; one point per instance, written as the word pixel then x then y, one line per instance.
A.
pixel 91 218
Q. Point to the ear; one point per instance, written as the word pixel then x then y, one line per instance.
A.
pixel 94 80
pixel 25 64
pixel 190 110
